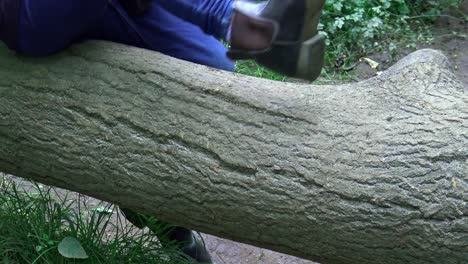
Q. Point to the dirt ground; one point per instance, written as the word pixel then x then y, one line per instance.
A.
pixel 229 252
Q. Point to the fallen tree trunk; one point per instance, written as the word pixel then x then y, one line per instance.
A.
pixel 372 172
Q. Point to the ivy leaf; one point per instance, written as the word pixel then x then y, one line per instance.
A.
pixel 338 6
pixel 71 248
pixel 339 22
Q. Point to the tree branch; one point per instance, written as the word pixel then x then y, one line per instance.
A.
pixel 369 172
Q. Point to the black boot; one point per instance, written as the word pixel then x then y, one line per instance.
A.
pixel 281 35
pixel 189 244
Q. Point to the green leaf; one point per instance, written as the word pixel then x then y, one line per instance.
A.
pixel 103 210
pixel 71 248
pixel 338 6
pixel 39 248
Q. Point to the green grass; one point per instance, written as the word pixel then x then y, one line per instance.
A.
pixel 33 222
pixel 251 68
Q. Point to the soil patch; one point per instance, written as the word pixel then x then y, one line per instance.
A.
pixel 451 37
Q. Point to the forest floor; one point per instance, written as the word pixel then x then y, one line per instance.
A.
pixel 451 37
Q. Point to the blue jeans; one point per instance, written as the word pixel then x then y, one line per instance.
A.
pixel 212 16
pixel 185 29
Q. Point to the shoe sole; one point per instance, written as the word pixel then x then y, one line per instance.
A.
pixel 312 50
pixel 311 58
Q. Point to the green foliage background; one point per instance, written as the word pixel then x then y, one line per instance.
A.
pixel 356 27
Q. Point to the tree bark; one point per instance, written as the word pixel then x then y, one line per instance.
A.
pixel 370 172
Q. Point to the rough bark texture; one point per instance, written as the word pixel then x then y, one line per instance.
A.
pixel 373 172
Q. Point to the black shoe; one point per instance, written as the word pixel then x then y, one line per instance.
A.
pixel 281 35
pixel 190 245
pixel 196 250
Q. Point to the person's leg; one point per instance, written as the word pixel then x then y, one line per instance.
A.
pixel 164 32
pixel 279 34
pixel 212 16
pixel 48 26
pixel 170 235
